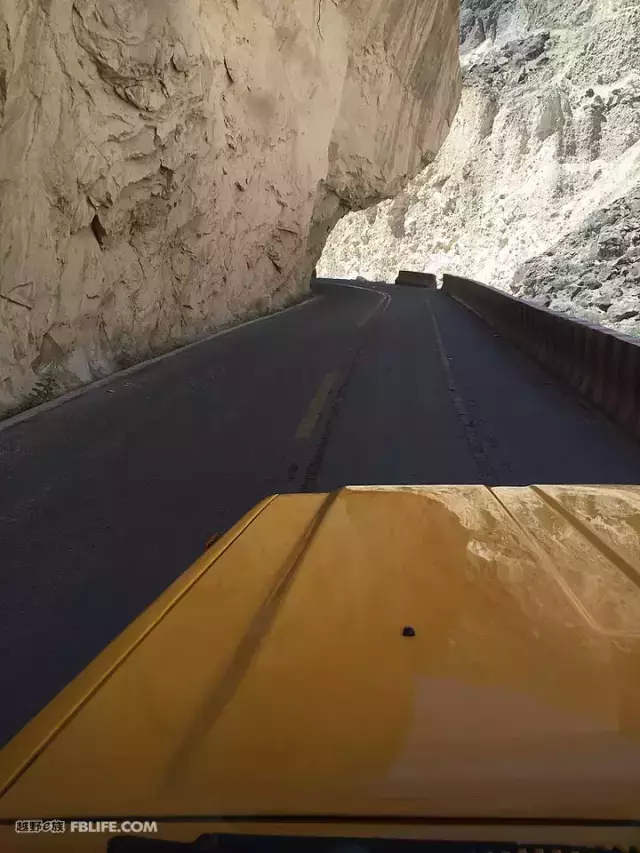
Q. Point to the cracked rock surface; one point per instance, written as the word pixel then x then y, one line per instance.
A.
pixel 169 168
pixel 594 273
pixel 542 165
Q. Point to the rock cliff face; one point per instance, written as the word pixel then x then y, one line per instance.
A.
pixel 167 168
pixel 594 273
pixel 542 164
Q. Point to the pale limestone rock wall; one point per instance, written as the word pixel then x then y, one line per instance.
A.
pixel 542 165
pixel 170 167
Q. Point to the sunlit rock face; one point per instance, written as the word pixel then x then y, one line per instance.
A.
pixel 542 164
pixel 169 168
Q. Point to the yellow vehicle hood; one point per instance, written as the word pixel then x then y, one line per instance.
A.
pixel 276 678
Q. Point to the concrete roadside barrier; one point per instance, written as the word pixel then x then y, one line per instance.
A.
pixel 417 279
pixel 602 365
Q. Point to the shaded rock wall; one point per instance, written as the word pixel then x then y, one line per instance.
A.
pixel 167 168
pixel 547 134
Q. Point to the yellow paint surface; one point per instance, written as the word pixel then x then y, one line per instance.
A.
pixel 280 683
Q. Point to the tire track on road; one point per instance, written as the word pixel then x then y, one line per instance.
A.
pixel 478 451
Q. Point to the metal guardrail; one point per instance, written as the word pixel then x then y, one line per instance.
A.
pixel 602 365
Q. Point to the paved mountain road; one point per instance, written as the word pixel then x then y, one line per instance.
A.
pixel 106 498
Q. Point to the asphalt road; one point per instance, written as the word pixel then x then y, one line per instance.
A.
pixel 107 498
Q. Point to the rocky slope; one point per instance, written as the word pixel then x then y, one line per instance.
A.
pixel 167 168
pixel 594 273
pixel 543 157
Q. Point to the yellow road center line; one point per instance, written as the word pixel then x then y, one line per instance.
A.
pixel 312 414
pixel 374 310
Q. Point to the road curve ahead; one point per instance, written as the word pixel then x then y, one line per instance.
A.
pixel 107 498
